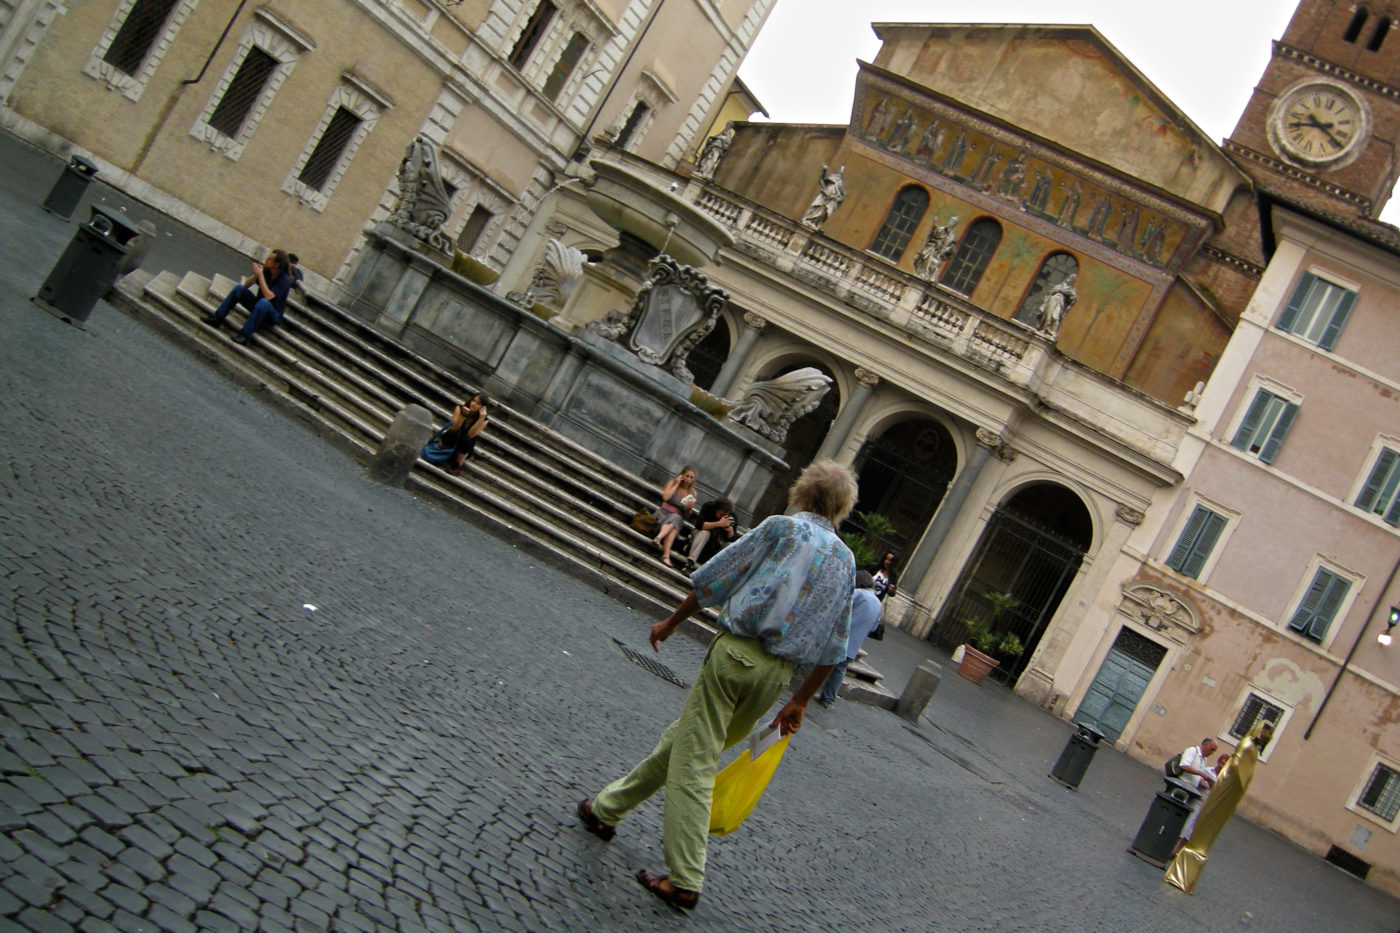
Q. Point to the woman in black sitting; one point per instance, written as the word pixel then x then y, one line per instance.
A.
pixel 456 440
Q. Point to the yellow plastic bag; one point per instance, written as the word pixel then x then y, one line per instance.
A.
pixel 738 787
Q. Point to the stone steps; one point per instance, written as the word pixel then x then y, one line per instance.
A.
pixel 530 485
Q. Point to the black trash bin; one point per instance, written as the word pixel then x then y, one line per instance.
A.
pixel 1162 826
pixel 87 268
pixel 68 190
pixel 1074 760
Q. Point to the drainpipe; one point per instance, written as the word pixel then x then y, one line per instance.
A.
pixel 1380 597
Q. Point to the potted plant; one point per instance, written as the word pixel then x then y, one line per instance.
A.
pixel 986 646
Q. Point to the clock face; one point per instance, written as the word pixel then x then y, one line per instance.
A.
pixel 1318 124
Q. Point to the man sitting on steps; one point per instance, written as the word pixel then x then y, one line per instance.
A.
pixel 265 305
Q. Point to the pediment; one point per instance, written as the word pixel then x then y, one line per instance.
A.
pixel 1069 86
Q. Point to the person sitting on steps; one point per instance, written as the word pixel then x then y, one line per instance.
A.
pixel 677 499
pixel 265 305
pixel 456 440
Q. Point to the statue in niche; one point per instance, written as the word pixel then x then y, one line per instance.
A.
pixel 829 197
pixel 772 405
pixel 1098 217
pixel 956 153
pixel 1040 192
pixel 1070 205
pixel 673 311
pixel 930 140
pixel 902 128
pixel 423 203
pixel 1056 304
pixel 938 249
pixel 715 148
pixel 1012 177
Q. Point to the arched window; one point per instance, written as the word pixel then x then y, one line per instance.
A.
pixel 1358 23
pixel 905 213
pixel 974 253
pixel 1378 37
pixel 1054 269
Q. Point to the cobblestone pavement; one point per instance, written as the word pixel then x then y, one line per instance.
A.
pixel 241 687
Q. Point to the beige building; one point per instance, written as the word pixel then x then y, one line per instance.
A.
pixel 284 123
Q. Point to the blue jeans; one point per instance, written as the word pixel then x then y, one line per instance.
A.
pixel 827 694
pixel 260 310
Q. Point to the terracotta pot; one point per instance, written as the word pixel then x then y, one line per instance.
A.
pixel 975 665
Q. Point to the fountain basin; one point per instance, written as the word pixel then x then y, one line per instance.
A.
pixel 644 213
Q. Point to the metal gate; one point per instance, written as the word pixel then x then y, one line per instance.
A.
pixel 1019 557
pixel 902 485
pixel 1120 683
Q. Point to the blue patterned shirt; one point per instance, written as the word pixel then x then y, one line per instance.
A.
pixel 787 583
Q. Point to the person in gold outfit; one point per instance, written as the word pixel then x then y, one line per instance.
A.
pixel 1219 806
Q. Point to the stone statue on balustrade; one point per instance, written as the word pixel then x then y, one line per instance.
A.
pixel 772 405
pixel 832 193
pixel 713 153
pixel 673 311
pixel 423 205
pixel 939 248
pixel 1055 305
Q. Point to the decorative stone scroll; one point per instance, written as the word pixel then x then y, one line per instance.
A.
pixel 673 311
pixel 423 204
pixel 556 276
pixel 1159 610
pixel 771 406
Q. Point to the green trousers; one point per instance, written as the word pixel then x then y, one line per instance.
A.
pixel 735 686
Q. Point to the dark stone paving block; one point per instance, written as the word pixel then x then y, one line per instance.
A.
pixel 125 897
pixel 274 917
pixel 9 903
pixel 192 880
pixel 142 838
pixel 235 909
pixel 310 913
pixel 88 899
pixel 15 798
pixel 232 848
pixel 28 891
pixel 269 892
pixel 82 873
pixel 9 850
pixel 102 841
pixel 42 921
pixel 122 799
pixel 208 922
pixel 95 925
pixel 197 852
pixel 141 862
pixel 108 815
pixel 352 922
pixel 52 827
pixel 40 846
pixel 170 921
pixel 130 923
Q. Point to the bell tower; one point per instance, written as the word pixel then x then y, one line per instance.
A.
pixel 1323 125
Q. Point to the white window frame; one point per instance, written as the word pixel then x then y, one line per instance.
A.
pixel 1317 331
pixel 1195 501
pixel 1356 582
pixel 573 16
pixel 1277 389
pixel 1354 801
pixel 133 86
pixel 278 39
pixel 1390 508
pixel 355 95
pixel 1238 707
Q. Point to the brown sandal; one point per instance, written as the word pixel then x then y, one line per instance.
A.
pixel 676 897
pixel 591 823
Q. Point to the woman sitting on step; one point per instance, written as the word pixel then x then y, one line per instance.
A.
pixel 677 499
pixel 456 440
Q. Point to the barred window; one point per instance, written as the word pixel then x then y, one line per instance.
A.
pixel 136 36
pixel 634 120
pixel 1255 708
pixel 904 215
pixel 1056 268
pixel 473 228
pixel 568 61
pixel 243 91
pixel 1381 794
pixel 329 149
pixel 974 253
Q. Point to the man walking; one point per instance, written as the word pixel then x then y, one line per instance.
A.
pixel 786 594
pixel 265 305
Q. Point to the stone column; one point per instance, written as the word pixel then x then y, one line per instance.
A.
pixel 753 327
pixel 840 431
pixel 917 565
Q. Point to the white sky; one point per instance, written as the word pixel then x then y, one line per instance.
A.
pixel 1205 55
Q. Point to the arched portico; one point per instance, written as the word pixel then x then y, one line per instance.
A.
pixel 904 472
pixel 1031 548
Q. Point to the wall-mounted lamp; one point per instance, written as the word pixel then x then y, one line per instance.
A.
pixel 1384 637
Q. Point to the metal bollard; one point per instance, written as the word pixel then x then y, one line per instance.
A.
pixel 1162 826
pixel 393 461
pixel 87 268
pixel 1074 760
pixel 68 189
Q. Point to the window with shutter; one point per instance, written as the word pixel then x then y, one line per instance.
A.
pixel 1198 538
pixel 1319 606
pixel 1265 425
pixel 1378 495
pixel 1317 311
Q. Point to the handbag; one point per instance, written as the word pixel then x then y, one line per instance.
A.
pixel 1173 766
pixel 742 782
pixel 645 522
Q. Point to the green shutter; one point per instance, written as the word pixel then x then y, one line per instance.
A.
pixel 1379 473
pixel 1210 533
pixel 1307 609
pixel 1319 607
pixel 1182 549
pixel 1250 424
pixel 1339 319
pixel 1280 431
pixel 1295 304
